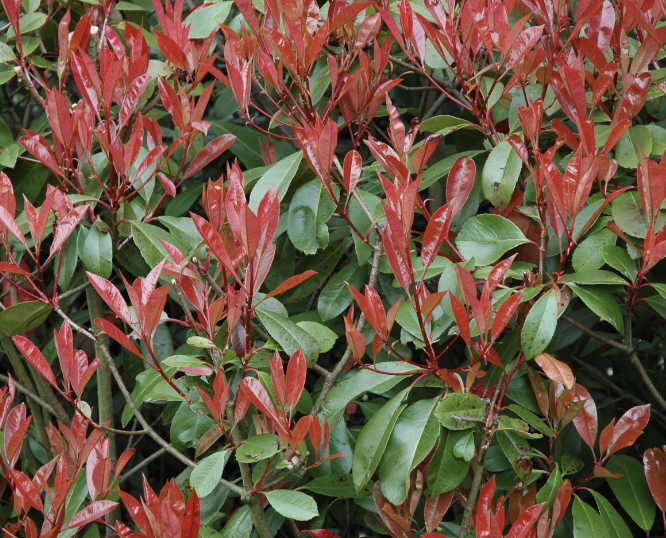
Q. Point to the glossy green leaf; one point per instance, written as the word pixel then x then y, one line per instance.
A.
pixel 613 521
pixel 23 317
pixel 257 448
pixel 595 276
pixel 374 437
pixel 618 258
pixel 207 20
pixel 628 149
pixel 517 452
pixel 293 504
pixel 602 303
pixel 335 296
pixel 500 174
pixel 240 524
pixel 446 471
pixel 412 439
pixel 540 325
pixel 278 177
pixel 589 255
pixel 341 486
pixel 487 237
pixel 309 210
pixel 587 522
pixel 632 489
pixel 206 475
pixel 97 252
pixel 548 492
pixel 289 335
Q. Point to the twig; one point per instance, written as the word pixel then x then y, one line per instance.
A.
pixel 333 376
pixel 435 107
pixel 24 78
pixel 141 465
pixel 582 328
pixel 28 393
pixel 633 358
pixel 604 380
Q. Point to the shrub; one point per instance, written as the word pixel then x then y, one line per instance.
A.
pixel 378 268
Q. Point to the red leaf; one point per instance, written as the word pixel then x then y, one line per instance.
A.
pixel 462 318
pixel 35 357
pixel 111 297
pixel 213 241
pixel 504 314
pixel 634 97
pixel 118 335
pixel 27 489
pixel 8 222
pixel 524 525
pixel 342 17
pixel 586 420
pixel 629 427
pixel 460 183
pixel 150 159
pixel 94 511
pixel 190 521
pixel 291 282
pixel 57 111
pixel 211 152
pixel 15 428
pixel 522 45
pixel 322 533
pixel 555 370
pixel 296 372
pixel 257 394
pixel 435 509
pixel 171 50
pixel 134 93
pixel 11 268
pixel 436 233
pixel 353 165
pixel 654 462
pixel 66 226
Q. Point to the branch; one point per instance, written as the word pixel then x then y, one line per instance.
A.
pixel 582 328
pixel 141 465
pixel 28 393
pixel 24 78
pixel 333 376
pixel 633 358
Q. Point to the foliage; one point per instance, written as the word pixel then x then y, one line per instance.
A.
pixel 349 269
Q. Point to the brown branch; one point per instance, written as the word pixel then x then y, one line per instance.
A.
pixel 28 393
pixel 582 328
pixel 141 465
pixel 24 78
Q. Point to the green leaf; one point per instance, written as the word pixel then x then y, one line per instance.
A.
pixel 206 20
pixel 464 448
pixel 278 177
pixel 206 475
pixel 97 252
pixel 602 303
pixel 456 407
pixel 146 238
pixel 289 335
pixel 629 215
pixel 310 209
pixel 613 521
pixel 632 490
pixel 627 151
pixel 188 426
pixel 571 464
pixel 500 174
pixel 150 385
pixel 412 439
pixel 293 504
pixel 373 438
pixel 6 53
pixel 184 231
pixel 9 155
pixel 257 448
pixel 487 237
pixel 23 317
pixel 517 452
pixel 658 138
pixel 540 325
pixel 183 201
pixel 596 276
pixel 589 255
pixel 335 296
pixel 323 264
pixel 340 486
pixel 587 522
pixel 446 471
pixel 324 336
pixel 363 381
pixel 548 493
pixel 442 124
pixel 532 419
pixel 239 525
pixel 618 258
